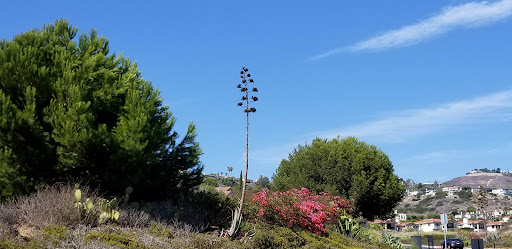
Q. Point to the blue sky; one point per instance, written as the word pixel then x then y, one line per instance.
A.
pixel 429 83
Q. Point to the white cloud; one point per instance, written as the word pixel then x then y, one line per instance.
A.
pixel 434 157
pixel 461 16
pixel 406 124
pixel 403 125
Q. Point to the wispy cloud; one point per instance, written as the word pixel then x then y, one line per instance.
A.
pixel 407 124
pixel 434 157
pixel 461 16
pixel 411 123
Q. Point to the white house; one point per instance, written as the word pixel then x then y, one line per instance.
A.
pixel 385 224
pixel 476 225
pixel 400 216
pixel 495 226
pixel 415 192
pixel 465 216
pixel 430 225
pixel 430 193
pixel 476 190
pixel 501 191
pixel 452 190
pixel 403 225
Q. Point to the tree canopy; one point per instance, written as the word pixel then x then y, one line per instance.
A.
pixel 347 167
pixel 71 110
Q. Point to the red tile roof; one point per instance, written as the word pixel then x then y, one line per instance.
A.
pixel 427 221
pixel 496 223
pixel 405 223
pixel 381 221
pixel 471 221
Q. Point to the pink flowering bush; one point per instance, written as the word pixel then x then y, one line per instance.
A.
pixel 300 208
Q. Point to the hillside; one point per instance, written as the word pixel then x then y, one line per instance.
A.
pixel 423 205
pixel 487 180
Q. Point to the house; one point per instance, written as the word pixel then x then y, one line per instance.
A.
pixel 430 225
pixel 388 224
pixel 452 190
pixel 495 226
pixel 476 225
pixel 414 192
pixel 476 190
pixel 497 213
pixel 467 215
pixel 430 193
pixel 363 222
pixel 402 225
pixel 501 191
pixel 400 216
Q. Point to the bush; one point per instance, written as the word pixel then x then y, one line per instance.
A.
pixel 296 208
pixel 115 238
pixel 277 237
pixel 48 206
pixel 198 209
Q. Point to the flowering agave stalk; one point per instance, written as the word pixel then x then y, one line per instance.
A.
pixel 247 99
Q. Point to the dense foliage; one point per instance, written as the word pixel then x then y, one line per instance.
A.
pixel 346 167
pixel 300 208
pixel 71 110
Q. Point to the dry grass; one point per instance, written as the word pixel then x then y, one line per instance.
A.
pixel 53 206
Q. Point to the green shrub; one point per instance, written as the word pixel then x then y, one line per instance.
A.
pixel 54 234
pixel 161 231
pixel 202 208
pixel 16 245
pixel 115 238
pixel 277 237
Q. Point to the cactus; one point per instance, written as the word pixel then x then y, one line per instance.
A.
pixel 78 197
pixel 89 206
pixel 127 192
pixel 107 208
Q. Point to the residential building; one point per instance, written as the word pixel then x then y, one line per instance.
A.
pixel 400 216
pixel 452 190
pixel 494 226
pixel 403 225
pixel 430 225
pixel 388 224
pixel 476 225
pixel 466 215
pixel 501 191
pixel 476 190
pixel 414 192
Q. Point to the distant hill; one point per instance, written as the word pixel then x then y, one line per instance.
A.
pixel 487 180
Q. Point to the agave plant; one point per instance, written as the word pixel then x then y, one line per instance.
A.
pixel 392 241
pixel 348 226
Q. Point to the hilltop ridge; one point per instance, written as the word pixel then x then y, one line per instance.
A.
pixel 486 180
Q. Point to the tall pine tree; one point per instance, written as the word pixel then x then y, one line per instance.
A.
pixel 71 110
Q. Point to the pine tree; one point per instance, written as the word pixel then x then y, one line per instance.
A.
pixel 71 110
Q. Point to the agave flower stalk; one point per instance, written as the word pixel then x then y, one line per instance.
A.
pixel 247 99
